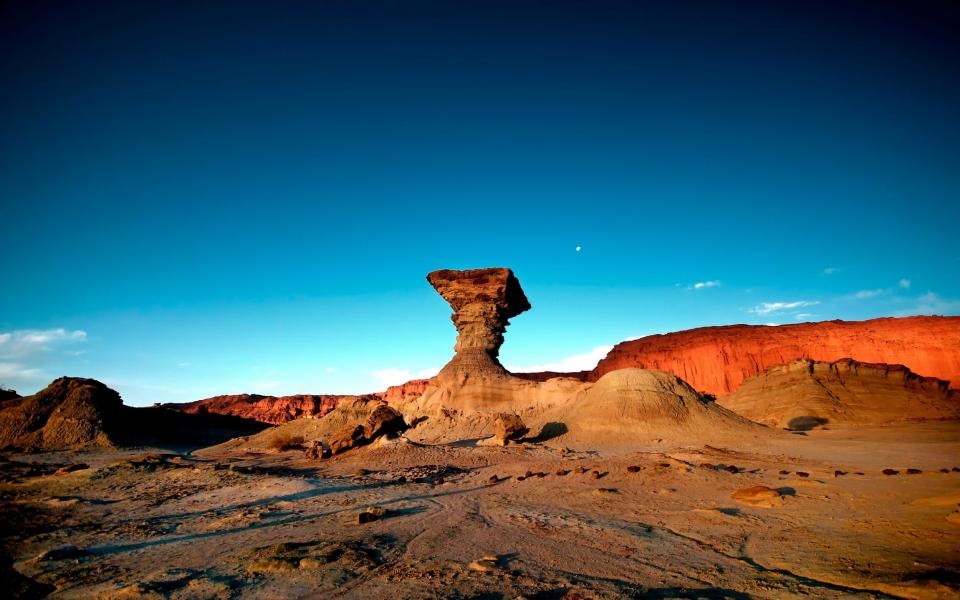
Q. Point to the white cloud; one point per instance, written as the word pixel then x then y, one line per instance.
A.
pixel 705 284
pixel 16 371
pixel 802 316
pixel 392 376
pixel 932 304
pixel 577 362
pixel 330 370
pixel 769 308
pixel 829 270
pixel 905 283
pixel 867 294
pixel 21 342
pixel 183 364
pixel 17 376
pixel 428 372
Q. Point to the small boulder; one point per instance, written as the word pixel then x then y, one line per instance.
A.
pixel 347 438
pixel 891 472
pixel 316 451
pixel 633 469
pixel 385 420
pixel 509 427
pixel 760 496
pixel 370 514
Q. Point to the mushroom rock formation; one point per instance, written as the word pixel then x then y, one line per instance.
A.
pixel 483 302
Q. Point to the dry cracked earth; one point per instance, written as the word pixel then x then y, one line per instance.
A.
pixel 523 521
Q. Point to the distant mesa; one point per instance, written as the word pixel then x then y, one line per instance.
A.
pixel 275 410
pixel 808 394
pixel 717 360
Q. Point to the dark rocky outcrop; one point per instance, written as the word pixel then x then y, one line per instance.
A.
pixel 75 412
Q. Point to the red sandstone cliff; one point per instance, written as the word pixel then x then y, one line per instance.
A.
pixel 280 409
pixel 266 409
pixel 718 359
pixel 415 387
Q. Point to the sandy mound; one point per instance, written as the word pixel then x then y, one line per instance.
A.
pixel 805 394
pixel 633 405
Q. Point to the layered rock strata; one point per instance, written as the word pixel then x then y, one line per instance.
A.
pixel 717 360
pixel 483 302
pixel 807 394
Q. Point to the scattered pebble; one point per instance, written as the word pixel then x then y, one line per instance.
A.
pixel 70 469
pixel 803 474
pixel 891 472
pixel 493 479
pixel 562 472
pixel 914 471
pixel 633 469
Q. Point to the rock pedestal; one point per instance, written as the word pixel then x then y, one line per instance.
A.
pixel 483 302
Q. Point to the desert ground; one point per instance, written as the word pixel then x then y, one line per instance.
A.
pixel 530 520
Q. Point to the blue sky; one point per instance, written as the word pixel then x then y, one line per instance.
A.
pixel 206 198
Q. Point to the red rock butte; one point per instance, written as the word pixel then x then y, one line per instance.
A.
pixel 717 360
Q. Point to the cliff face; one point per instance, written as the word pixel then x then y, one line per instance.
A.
pixel 266 409
pixel 718 359
pixel 412 388
pixel 805 394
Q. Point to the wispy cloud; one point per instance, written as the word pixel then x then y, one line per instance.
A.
pixel 392 376
pixel 21 342
pixel 330 370
pixel 933 304
pixel 867 294
pixel 905 284
pixel 700 285
pixel 770 308
pixel 802 316
pixel 12 373
pixel 830 270
pixel 577 362
pixel 428 372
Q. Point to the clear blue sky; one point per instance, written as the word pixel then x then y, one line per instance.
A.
pixel 222 197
